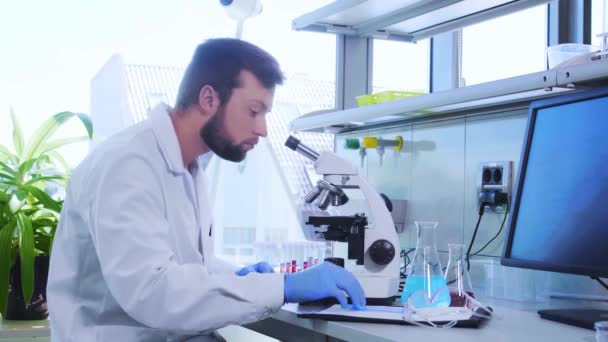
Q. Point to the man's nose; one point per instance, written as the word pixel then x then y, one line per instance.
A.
pixel 260 128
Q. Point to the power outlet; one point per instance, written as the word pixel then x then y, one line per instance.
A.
pixel 493 177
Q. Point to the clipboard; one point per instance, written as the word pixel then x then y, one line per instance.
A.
pixel 384 315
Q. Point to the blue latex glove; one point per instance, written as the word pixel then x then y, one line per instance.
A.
pixel 323 281
pixel 260 267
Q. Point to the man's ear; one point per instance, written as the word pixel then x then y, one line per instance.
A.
pixel 208 100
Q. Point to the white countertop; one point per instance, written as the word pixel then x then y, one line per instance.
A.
pixel 27 329
pixel 516 322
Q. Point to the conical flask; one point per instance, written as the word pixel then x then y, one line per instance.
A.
pixel 457 276
pixel 425 285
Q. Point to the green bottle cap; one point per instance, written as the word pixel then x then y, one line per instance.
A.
pixel 352 144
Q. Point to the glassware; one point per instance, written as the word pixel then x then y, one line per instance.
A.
pixel 457 277
pixel 428 307
pixel 601 331
pixel 425 284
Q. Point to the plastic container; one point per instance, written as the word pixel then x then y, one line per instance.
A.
pixel 392 95
pixel 352 144
pixel 385 96
pixel 558 54
pixel 515 284
pixel 365 100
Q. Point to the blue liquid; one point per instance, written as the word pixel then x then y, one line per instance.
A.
pixel 416 283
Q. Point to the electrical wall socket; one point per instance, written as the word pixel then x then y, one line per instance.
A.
pixel 495 177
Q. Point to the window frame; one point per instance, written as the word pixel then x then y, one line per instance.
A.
pixel 567 22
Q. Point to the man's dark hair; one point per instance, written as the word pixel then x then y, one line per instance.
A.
pixel 218 63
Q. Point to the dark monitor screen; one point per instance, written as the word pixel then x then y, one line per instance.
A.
pixel 559 217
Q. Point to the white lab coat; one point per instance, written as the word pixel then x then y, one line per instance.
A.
pixel 132 258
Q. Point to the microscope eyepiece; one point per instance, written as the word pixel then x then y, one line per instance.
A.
pixel 295 144
pixel 292 142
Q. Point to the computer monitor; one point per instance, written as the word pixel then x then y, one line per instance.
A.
pixel 559 214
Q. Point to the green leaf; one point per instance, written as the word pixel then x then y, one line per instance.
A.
pixel 43 230
pixel 53 230
pixel 59 159
pixel 7 169
pixel 8 154
pixel 42 243
pixel 18 200
pixel 43 222
pixel 9 182
pixel 4 197
pixel 6 246
pixel 21 195
pixel 48 171
pixel 44 213
pixel 28 209
pixel 17 133
pixel 47 129
pixel 6 176
pixel 51 145
pixel 25 168
pixel 45 199
pixel 88 124
pixel 42 134
pixel 26 256
pixel 42 160
pixel 46 179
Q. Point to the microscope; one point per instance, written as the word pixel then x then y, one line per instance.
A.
pixel 372 243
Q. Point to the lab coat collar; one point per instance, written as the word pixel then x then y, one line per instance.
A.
pixel 165 134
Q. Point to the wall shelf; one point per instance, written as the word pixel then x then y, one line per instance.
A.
pixel 525 88
pixel 405 20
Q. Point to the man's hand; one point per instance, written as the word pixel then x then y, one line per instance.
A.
pixel 325 280
pixel 260 267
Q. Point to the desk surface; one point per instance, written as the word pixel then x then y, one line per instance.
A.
pixel 24 328
pixel 516 323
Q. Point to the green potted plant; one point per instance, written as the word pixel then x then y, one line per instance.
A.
pixel 32 178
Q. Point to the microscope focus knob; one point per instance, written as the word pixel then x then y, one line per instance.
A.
pixel 382 252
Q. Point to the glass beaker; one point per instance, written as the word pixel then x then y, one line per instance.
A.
pixel 425 284
pixel 601 331
pixel 457 277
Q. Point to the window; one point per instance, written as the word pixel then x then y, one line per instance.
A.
pixel 504 47
pixel 401 66
pixel 237 242
pixel 51 66
pixel 154 98
pixel 261 195
pixel 599 20
pixel 56 50
pixel 300 53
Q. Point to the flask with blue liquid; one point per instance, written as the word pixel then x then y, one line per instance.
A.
pixel 425 285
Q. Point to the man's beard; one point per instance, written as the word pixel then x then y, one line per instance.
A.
pixel 211 133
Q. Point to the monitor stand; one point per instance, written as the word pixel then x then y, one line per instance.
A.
pixel 584 318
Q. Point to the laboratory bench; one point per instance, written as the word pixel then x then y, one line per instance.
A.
pixel 516 322
pixel 39 331
pixel 21 331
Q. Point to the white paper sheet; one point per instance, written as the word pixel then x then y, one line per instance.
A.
pixel 395 313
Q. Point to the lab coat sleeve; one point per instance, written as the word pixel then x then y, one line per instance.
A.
pixel 219 265
pixel 132 242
